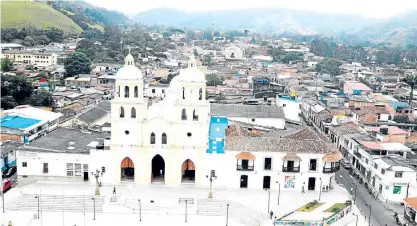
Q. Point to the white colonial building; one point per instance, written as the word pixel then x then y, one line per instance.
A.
pixel 164 139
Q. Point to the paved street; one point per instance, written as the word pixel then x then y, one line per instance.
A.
pixel 380 215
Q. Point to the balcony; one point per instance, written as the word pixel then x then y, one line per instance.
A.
pixel 333 169
pixel 244 168
pixel 291 169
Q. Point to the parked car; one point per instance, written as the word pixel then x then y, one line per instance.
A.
pixel 7 184
pixel 346 164
pixel 9 172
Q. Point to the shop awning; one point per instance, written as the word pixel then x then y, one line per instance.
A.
pixel 291 157
pixel 245 156
pixel 188 165
pixel 333 157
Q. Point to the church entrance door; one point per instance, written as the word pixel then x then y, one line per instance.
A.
pixel 127 170
pixel 188 172
pixel 158 169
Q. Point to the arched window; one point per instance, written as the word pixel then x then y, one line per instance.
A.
pixel 126 91
pixel 200 94
pixel 136 91
pixel 133 113
pixel 183 93
pixel 122 112
pixel 183 114
pixel 152 138
pixel 195 115
pixel 164 138
pixel 118 90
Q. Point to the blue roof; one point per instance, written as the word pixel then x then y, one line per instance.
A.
pixel 289 99
pixel 398 104
pixel 17 122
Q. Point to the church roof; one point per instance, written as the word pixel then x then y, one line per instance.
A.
pixel 247 111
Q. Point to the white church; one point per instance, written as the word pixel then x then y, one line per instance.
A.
pixel 167 143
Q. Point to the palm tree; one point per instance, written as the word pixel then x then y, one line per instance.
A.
pixel 411 80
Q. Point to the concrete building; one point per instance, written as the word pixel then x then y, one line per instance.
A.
pixel 35 58
pixel 156 90
pixel 353 87
pixel 233 53
pixel 27 123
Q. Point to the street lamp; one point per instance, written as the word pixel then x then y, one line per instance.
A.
pixel 269 198
pixel 211 177
pixel 37 197
pixel 321 182
pixel 279 190
pixel 356 189
pixel 357 218
pixel 370 212
pixel 97 174
pixel 140 211
pixel 227 214
pixel 94 205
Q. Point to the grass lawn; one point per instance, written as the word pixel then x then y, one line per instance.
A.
pixel 96 26
pixel 310 206
pixel 339 206
pixel 19 14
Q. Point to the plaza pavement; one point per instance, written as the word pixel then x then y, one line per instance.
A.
pixel 164 208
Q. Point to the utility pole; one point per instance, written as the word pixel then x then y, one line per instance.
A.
pixel 408 186
pixel 186 210
pixel 269 198
pixel 2 193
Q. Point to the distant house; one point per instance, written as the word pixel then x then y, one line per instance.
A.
pixel 352 87
pixel 233 53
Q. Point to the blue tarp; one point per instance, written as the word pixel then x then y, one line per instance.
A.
pixel 17 122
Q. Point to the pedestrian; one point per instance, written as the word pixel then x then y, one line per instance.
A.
pixel 302 189
pixel 10 223
pixel 114 190
pixel 351 190
pixel 271 214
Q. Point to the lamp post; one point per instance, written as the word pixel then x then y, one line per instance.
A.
pixel 37 197
pixel 408 186
pixel 185 210
pixel 211 177
pixel 269 198
pixel 97 174
pixel 94 208
pixel 356 189
pixel 357 218
pixel 279 190
pixel 227 214
pixel 370 213
pixel 140 211
pixel 321 182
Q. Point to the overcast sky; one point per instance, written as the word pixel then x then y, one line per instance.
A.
pixel 367 8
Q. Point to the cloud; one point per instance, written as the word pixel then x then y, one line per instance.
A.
pixel 366 8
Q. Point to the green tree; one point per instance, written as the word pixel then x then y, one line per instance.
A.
pixel 329 65
pixel 16 86
pixel 411 80
pixel 40 98
pixel 77 63
pixel 213 80
pixel 28 41
pixel 220 97
pixel 8 102
pixel 208 60
pixel 6 65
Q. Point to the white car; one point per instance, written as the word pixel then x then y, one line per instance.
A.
pixel 346 164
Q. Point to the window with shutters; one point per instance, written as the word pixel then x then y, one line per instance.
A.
pixel 78 170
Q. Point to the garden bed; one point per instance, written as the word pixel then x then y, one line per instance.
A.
pixel 337 207
pixel 310 206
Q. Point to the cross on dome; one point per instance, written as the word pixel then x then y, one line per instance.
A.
pixel 129 60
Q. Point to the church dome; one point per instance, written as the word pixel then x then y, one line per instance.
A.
pixel 192 73
pixel 129 71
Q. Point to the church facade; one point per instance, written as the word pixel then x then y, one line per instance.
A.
pixel 160 143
